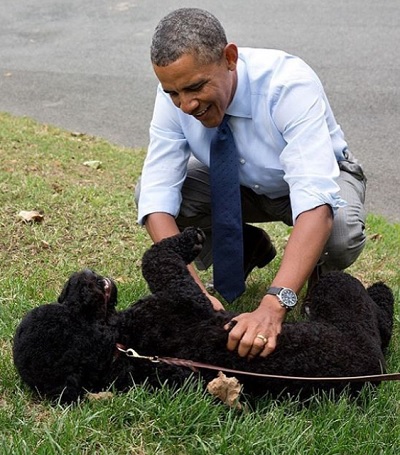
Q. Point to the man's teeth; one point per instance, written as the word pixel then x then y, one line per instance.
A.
pixel 202 112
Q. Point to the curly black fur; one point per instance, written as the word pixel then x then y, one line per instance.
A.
pixel 66 348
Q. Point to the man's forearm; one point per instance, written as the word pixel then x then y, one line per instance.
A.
pixel 304 248
pixel 160 225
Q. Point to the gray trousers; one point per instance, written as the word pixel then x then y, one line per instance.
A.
pixel 348 234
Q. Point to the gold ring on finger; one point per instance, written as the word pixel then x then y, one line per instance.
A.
pixel 262 338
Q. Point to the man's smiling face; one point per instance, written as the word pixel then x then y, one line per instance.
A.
pixel 203 90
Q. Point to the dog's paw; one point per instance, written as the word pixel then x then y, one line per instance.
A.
pixel 191 243
pixel 193 238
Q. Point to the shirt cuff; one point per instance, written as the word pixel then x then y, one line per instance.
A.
pixel 152 201
pixel 307 200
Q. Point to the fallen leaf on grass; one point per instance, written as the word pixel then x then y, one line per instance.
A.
pixel 95 164
pixel 226 389
pixel 375 236
pixel 31 216
pixel 99 396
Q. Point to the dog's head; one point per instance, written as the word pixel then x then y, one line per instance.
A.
pixel 62 349
pixel 90 294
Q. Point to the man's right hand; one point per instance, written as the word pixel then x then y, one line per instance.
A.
pixel 217 305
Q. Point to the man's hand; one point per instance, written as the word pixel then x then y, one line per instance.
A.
pixel 256 333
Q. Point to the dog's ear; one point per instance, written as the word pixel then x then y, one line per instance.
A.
pixel 383 297
pixel 64 292
pixel 69 288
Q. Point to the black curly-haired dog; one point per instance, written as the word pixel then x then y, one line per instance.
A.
pixel 66 348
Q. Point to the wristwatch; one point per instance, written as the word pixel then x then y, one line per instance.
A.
pixel 286 296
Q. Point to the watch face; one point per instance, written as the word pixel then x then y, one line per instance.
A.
pixel 288 297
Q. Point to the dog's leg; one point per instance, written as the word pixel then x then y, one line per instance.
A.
pixel 382 295
pixel 187 245
pixel 164 266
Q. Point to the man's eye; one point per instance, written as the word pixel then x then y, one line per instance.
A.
pixel 196 88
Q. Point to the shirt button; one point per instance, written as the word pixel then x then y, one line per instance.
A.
pixel 242 161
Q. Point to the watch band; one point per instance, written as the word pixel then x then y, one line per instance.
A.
pixel 274 290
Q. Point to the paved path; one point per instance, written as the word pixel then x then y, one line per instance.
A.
pixel 84 66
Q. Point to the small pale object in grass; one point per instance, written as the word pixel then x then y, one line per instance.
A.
pixel 95 164
pixel 99 396
pixel 31 216
pixel 226 389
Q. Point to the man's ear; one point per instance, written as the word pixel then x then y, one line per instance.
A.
pixel 231 55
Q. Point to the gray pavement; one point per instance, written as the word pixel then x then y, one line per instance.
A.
pixel 84 66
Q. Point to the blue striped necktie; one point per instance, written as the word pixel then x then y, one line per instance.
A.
pixel 226 211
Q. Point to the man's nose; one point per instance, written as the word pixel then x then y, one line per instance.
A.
pixel 187 103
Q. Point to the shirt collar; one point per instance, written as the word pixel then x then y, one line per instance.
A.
pixel 241 103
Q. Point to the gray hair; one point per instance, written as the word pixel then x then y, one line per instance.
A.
pixel 188 31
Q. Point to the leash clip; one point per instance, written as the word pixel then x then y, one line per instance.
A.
pixel 132 353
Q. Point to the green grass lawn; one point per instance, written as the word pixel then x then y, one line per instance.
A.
pixel 89 220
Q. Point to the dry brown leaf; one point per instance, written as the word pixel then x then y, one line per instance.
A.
pixel 122 279
pixel 31 216
pixel 375 236
pixel 226 389
pixel 99 396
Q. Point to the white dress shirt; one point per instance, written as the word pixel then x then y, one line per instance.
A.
pixel 285 132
